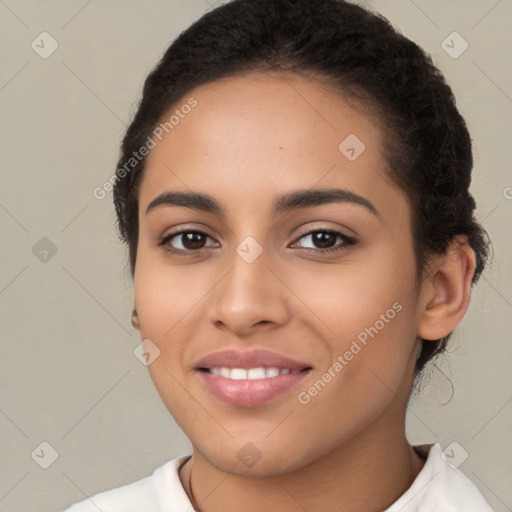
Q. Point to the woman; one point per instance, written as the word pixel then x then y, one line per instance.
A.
pixel 293 191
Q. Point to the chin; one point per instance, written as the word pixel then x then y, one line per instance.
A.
pixel 274 464
pixel 260 458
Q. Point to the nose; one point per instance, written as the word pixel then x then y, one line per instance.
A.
pixel 252 295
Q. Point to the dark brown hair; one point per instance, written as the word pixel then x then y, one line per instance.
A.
pixel 428 147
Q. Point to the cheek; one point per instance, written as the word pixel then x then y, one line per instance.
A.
pixel 367 313
pixel 164 294
pixel 163 300
pixel 351 296
pixel 170 301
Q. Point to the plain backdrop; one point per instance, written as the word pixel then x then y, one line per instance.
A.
pixel 69 377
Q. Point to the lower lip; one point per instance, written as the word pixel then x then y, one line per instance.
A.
pixel 250 393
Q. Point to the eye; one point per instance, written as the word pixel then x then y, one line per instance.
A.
pixel 325 238
pixel 190 241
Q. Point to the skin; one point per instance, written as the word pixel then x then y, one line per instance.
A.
pixel 248 140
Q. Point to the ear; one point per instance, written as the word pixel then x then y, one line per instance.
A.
pixel 135 319
pixel 446 290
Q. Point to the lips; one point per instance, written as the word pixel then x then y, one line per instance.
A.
pixel 249 378
pixel 249 359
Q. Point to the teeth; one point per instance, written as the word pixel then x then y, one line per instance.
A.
pixel 272 372
pixel 238 374
pixel 257 373
pixel 251 373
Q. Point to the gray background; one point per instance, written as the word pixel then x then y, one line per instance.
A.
pixel 68 373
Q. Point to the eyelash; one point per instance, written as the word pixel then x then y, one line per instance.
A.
pixel 348 241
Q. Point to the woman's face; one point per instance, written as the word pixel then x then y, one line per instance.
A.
pixel 257 280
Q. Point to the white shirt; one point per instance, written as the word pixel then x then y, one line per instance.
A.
pixel 437 488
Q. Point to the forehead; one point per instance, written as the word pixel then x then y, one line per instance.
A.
pixel 271 108
pixel 261 133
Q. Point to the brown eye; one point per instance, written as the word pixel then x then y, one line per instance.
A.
pixel 324 240
pixel 192 240
pixel 184 242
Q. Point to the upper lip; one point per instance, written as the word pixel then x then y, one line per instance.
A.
pixel 232 358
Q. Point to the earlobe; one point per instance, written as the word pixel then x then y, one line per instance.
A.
pixel 447 290
pixel 135 319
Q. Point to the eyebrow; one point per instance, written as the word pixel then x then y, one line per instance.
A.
pixel 304 198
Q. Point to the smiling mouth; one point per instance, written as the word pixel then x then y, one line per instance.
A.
pixel 250 377
pixel 251 387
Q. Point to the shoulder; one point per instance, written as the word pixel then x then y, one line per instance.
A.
pixel 150 494
pixel 441 487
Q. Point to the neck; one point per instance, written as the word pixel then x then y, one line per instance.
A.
pixel 367 474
